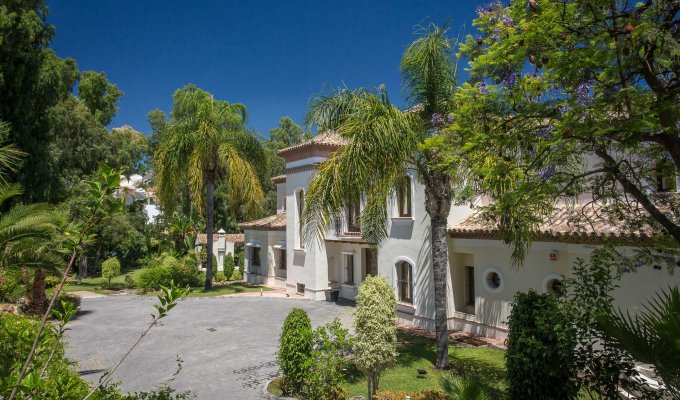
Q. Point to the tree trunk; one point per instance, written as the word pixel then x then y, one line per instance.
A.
pixel 438 205
pixel 440 258
pixel 210 183
pixel 82 267
pixel 38 303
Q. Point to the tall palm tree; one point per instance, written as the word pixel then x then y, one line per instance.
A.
pixel 652 336
pixel 206 142
pixel 377 130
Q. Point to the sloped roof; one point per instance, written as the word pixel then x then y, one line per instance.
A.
pixel 279 179
pixel 237 238
pixel 570 224
pixel 324 139
pixel 271 223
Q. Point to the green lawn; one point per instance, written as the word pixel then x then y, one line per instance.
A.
pixel 94 284
pixel 419 353
pixel 232 288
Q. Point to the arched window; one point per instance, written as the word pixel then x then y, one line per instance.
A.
pixel 404 198
pixel 404 282
pixel 300 203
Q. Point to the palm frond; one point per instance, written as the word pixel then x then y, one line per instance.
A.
pixel 651 335
pixel 429 71
pixel 242 180
pixel 464 388
pixel 376 130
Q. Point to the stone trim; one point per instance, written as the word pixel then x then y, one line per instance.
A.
pixel 301 168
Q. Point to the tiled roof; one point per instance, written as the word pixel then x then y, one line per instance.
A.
pixel 324 139
pixel 571 224
pixel 271 223
pixel 237 238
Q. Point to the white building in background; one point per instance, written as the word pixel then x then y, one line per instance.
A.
pixel 481 282
pixel 223 244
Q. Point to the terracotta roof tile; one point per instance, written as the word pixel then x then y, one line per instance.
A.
pixel 237 238
pixel 271 223
pixel 572 224
pixel 324 139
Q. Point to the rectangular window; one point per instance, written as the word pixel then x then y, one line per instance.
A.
pixel 469 286
pixel 371 262
pixel 300 208
pixel 282 264
pixel 404 198
pixel 349 269
pixel 301 288
pixel 353 213
pixel 254 256
pixel 405 282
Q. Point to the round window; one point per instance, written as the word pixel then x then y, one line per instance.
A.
pixel 493 280
pixel 553 283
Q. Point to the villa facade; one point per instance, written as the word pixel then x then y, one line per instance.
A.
pixel 481 281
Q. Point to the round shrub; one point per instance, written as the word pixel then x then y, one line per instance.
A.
pixel 295 351
pixel 164 269
pixel 228 265
pixel 540 356
pixel 237 275
pixel 110 269
pixel 219 277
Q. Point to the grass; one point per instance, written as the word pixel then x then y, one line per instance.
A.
pixel 419 353
pixel 96 284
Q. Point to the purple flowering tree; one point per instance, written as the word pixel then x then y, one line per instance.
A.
pixel 554 82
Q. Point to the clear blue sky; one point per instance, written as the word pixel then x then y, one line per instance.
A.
pixel 270 55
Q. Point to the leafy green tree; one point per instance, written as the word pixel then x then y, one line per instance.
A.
pixel 32 79
pixel 110 270
pixel 377 130
pixel 375 326
pixel 100 95
pixel 287 134
pixel 329 344
pixel 130 149
pixel 295 351
pixel 540 358
pixel 652 335
pixel 206 143
pixel 552 81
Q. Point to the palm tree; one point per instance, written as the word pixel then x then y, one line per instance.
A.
pixel 652 336
pixel 207 142
pixel 377 130
pixel 26 231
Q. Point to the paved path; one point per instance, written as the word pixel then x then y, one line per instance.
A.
pixel 227 344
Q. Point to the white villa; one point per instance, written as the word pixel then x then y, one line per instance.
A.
pixel 481 282
pixel 223 244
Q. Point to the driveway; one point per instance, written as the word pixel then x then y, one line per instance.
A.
pixel 228 344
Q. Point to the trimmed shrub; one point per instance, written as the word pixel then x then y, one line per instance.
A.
pixel 237 275
pixel 375 324
pixel 424 395
pixel 540 358
pixel 164 269
pixel 219 277
pixel 295 351
pixel 110 270
pixel 228 265
pixel 329 345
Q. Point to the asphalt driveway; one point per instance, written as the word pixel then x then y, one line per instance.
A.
pixel 228 344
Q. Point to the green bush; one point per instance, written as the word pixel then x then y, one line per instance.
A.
pixel 237 275
pixel 239 258
pixel 219 277
pixel 295 351
pixel 164 269
pixel 129 282
pixel 326 373
pixel 68 298
pixel 110 270
pixel 228 265
pixel 11 288
pixel 424 395
pixel 540 358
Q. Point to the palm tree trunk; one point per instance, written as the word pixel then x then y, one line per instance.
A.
pixel 438 205
pixel 440 257
pixel 210 184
